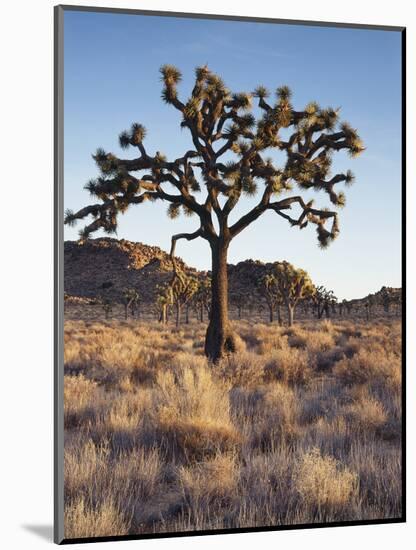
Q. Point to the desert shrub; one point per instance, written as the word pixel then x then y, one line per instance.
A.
pixel 78 399
pixel 141 375
pixel 166 441
pixel 366 413
pixel 278 423
pixel 83 463
pixel 212 483
pixel 325 360
pixel 270 339
pixel 322 481
pixel 288 365
pixel 326 325
pixel 319 341
pixel 241 369
pixel 191 419
pixel 371 366
pixel 83 520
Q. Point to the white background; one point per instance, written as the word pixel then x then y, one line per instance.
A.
pixel 26 272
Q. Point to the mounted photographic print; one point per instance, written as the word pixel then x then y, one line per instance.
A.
pixel 229 274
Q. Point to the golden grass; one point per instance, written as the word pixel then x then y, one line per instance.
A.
pixel 301 425
pixel 323 482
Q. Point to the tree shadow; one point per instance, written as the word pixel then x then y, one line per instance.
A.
pixel 43 531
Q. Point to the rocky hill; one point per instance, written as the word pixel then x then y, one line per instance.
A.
pixel 107 266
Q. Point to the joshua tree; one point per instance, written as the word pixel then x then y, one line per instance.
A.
pixel 164 300
pixel 220 123
pixel 369 304
pixel 387 299
pixel 107 307
pixel 202 298
pixel 130 300
pixel 342 306
pixel 238 299
pixel 324 299
pixel 183 288
pixel 293 285
pixel 270 290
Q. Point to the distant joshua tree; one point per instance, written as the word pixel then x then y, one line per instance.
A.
pixel 183 288
pixel 369 304
pixel 164 300
pixel 130 300
pixel 388 299
pixel 271 292
pixel 325 301
pixel 238 299
pixel 220 123
pixel 107 307
pixel 293 285
pixel 342 306
pixel 202 298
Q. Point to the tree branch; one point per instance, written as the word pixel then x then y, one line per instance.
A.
pixel 188 237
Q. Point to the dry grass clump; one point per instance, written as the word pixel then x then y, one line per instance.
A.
pixel 322 481
pixel 210 483
pixel 241 369
pixel 371 365
pixel 278 422
pixel 191 419
pixel 81 520
pixel 78 394
pixel 366 413
pixel 291 366
pixel 302 426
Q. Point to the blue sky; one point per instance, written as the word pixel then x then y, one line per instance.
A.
pixel 112 79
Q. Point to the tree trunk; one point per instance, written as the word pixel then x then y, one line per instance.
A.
pixel 163 316
pixel 279 315
pixel 271 316
pixel 178 314
pixel 126 313
pixel 202 313
pixel 290 314
pixel 187 315
pixel 219 338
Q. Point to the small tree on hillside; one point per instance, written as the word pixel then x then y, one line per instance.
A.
pixel 369 304
pixel 164 299
pixel 220 124
pixel 325 300
pixel 387 299
pixel 238 299
pixel 130 300
pixel 183 288
pixel 202 297
pixel 269 289
pixel 107 306
pixel 293 285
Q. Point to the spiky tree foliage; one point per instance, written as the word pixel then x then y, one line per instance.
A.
pixel 221 125
pixel 130 300
pixel 324 300
pixel 183 288
pixel 270 290
pixel 293 285
pixel 202 297
pixel 164 299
